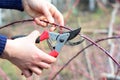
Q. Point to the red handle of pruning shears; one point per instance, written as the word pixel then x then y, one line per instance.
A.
pixel 44 36
pixel 53 53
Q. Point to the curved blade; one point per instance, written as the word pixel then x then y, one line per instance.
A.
pixel 74 33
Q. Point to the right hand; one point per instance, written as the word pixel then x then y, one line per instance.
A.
pixel 26 56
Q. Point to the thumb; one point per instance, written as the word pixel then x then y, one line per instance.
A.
pixel 34 35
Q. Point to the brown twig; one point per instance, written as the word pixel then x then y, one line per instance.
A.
pixel 20 21
pixel 105 51
pixel 97 41
pixel 71 9
pixel 57 25
pixel 29 20
pixel 118 70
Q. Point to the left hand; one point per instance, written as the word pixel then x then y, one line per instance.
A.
pixel 23 53
pixel 42 9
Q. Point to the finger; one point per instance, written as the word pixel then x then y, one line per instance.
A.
pixel 44 65
pixel 57 15
pixel 41 23
pixel 34 35
pixel 45 57
pixel 48 59
pixel 27 73
pixel 36 70
pixel 48 15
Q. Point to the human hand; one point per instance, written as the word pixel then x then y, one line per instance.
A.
pixel 26 56
pixel 42 9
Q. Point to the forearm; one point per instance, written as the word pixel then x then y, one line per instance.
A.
pixel 11 4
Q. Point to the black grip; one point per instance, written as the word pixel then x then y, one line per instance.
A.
pixel 37 40
pixel 19 36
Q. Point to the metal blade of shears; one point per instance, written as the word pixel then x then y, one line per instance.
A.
pixel 73 33
pixel 61 39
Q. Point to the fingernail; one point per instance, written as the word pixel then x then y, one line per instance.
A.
pixel 51 20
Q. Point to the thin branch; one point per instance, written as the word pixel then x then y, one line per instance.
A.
pixel 29 20
pixel 110 33
pixel 97 41
pixel 88 61
pixel 117 74
pixel 71 9
pixel 21 21
pixel 57 25
pixel 105 51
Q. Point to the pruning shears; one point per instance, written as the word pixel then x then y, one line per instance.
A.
pixel 60 39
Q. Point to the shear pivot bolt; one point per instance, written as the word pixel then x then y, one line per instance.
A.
pixel 61 40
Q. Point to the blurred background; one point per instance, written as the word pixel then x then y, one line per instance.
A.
pixel 97 18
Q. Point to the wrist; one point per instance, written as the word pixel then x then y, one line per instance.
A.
pixel 3 40
pixel 7 50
